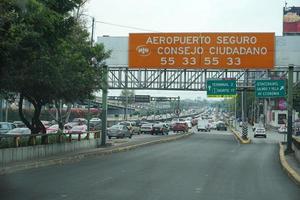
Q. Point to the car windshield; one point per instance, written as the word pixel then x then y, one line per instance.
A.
pixel 117 127
pixel 4 126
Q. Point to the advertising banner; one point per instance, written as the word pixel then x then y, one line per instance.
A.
pixel 291 20
pixel 201 50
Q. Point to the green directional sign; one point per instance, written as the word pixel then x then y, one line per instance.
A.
pixel 269 88
pixel 221 88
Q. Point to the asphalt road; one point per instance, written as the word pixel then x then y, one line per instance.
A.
pixel 209 166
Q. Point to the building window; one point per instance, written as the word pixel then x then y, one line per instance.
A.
pixel 273 116
pixel 281 118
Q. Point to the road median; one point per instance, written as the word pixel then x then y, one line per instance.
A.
pixel 77 156
pixel 287 167
pixel 237 135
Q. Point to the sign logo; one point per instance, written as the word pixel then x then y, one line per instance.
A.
pixel 142 50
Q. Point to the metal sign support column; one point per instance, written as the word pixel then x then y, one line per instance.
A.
pixel 244 107
pixel 104 104
pixel 290 111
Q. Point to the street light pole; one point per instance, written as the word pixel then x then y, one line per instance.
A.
pixel 290 111
pixel 104 104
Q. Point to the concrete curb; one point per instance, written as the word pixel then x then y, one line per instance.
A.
pixel 239 138
pixel 80 156
pixel 286 167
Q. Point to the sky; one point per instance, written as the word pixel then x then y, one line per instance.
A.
pixel 186 16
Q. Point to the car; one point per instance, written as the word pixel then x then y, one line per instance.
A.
pixel 46 124
pixel 19 124
pixel 189 123
pixel 95 125
pixel 221 126
pixel 260 131
pixel 180 126
pixel 80 120
pixel 160 128
pixel 19 131
pixel 69 126
pixel 132 127
pixel 213 125
pixel 52 129
pixel 6 126
pixel 282 129
pixel 75 130
pixel 95 119
pixel 119 131
pixel 147 128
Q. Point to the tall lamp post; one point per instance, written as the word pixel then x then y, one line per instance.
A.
pixel 104 85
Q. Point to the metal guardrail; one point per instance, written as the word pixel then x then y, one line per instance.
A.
pixel 17 137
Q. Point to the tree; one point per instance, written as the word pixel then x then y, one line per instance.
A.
pixel 127 100
pixel 47 55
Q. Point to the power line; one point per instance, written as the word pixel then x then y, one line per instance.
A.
pixel 124 26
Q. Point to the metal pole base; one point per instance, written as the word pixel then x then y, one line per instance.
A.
pixel 245 131
pixel 288 151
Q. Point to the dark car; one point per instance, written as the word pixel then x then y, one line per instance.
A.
pixel 119 131
pixel 6 126
pixel 160 128
pixel 221 127
pixel 180 126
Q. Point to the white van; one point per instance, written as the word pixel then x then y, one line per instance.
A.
pixel 203 125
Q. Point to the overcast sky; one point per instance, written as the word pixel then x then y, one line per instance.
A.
pixel 186 16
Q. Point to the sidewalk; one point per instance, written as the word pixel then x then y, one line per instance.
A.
pixel 70 157
pixel 290 164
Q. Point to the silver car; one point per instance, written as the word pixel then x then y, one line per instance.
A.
pixel 119 131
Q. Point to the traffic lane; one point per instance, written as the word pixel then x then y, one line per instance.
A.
pixel 203 166
pixel 214 131
pixel 141 138
pixel 273 136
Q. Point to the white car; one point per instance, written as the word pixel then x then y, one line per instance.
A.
pixel 260 131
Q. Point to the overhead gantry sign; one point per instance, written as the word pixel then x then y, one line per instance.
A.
pixel 201 50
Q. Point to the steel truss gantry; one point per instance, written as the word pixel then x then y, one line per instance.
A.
pixel 188 79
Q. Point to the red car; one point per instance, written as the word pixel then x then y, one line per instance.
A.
pixel 180 126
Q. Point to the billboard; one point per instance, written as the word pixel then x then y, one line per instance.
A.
pixel 291 20
pixel 201 50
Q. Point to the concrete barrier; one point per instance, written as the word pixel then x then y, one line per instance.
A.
pixel 40 151
pixel 296 147
pixel 286 167
pixel 238 137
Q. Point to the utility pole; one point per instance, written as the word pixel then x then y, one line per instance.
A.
pixel 1 110
pixel 289 149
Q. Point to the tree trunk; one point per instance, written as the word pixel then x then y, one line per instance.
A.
pixel 21 114
pixel 59 120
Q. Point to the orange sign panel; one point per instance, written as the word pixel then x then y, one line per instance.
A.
pixel 201 50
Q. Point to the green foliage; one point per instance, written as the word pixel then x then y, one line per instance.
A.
pixel 130 96
pixel 45 54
